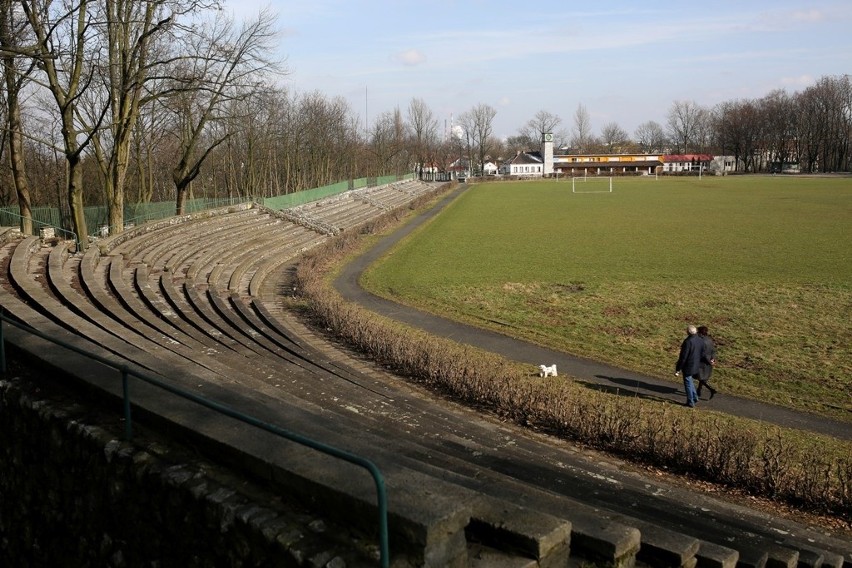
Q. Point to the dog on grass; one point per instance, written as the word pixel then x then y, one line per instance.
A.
pixel 545 371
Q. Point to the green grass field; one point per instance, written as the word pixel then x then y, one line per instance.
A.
pixel 763 261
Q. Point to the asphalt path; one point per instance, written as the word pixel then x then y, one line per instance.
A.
pixel 600 375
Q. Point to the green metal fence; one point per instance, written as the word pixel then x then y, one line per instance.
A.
pixel 317 193
pixel 97 217
pixel 306 196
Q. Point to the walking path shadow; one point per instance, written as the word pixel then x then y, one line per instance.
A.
pixel 592 373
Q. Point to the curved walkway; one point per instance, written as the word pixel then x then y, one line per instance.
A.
pixel 599 374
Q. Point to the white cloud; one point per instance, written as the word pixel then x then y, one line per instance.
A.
pixel 410 57
pixel 808 16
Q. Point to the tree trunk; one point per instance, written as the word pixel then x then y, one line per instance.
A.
pixel 16 158
pixel 75 201
pixel 13 111
pixel 180 202
pixel 115 186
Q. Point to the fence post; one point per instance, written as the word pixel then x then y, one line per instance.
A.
pixel 2 344
pixel 125 385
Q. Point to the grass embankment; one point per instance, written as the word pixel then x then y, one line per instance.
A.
pixel 813 472
pixel 764 262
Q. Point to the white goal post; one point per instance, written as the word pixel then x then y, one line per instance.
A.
pixel 594 185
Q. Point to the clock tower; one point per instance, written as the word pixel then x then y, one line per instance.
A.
pixel 547 153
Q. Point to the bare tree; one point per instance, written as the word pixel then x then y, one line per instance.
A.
pixel 64 55
pixel 703 130
pixel 581 134
pixel 522 142
pixel 777 117
pixel 133 34
pixel 228 65
pixel 387 142
pixel 614 138
pixel 152 149
pixel 684 125
pixel 738 130
pixel 464 138
pixel 542 123
pixel 650 137
pixel 449 150
pixel 478 123
pixel 424 130
pixel 16 72
pixel 825 124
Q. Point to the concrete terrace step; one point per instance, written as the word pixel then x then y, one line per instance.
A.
pixel 263 261
pixel 127 318
pixel 130 242
pixel 203 246
pixel 174 293
pixel 218 229
pixel 200 266
pixel 31 289
pixel 242 259
pixel 109 294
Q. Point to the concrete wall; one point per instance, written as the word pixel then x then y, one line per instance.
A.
pixel 73 494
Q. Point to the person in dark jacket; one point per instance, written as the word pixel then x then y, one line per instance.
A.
pixel 689 363
pixel 707 361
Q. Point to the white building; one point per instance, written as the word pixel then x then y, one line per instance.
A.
pixel 524 164
pixel 682 163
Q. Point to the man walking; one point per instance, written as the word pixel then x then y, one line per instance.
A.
pixel 689 363
pixel 708 359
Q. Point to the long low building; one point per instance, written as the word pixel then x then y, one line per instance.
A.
pixel 607 163
pixel 546 162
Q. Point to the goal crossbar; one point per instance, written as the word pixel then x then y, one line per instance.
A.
pixel 597 186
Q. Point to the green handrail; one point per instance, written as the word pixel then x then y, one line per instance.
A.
pixel 126 373
pixel 42 224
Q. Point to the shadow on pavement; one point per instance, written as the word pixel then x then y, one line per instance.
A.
pixel 631 388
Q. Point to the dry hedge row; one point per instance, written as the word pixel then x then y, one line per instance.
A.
pixel 762 461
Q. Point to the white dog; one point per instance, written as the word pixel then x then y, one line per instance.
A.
pixel 545 371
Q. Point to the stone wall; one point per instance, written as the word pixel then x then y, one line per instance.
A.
pixel 72 493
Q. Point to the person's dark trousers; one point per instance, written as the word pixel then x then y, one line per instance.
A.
pixel 703 385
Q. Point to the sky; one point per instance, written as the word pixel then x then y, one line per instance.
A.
pixel 625 62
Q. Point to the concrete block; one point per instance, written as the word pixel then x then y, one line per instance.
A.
pixel 810 559
pixel 750 558
pixel 599 539
pixel 484 557
pixel 711 555
pixel 780 557
pixel 664 548
pixel 832 560
pixel 514 529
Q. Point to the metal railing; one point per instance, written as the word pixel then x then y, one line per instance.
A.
pixel 41 224
pixel 127 372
